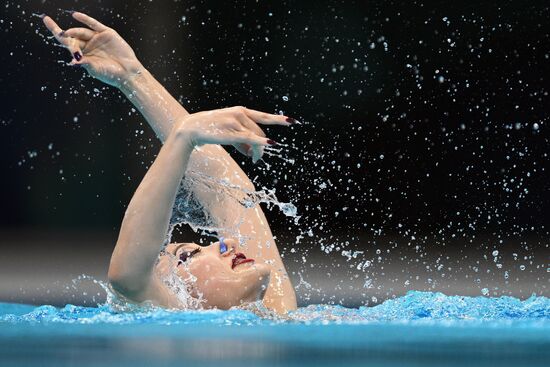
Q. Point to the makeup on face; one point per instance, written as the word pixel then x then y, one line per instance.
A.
pixel 187 254
pixel 239 259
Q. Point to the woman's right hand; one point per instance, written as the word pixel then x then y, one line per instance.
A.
pixel 97 48
pixel 236 126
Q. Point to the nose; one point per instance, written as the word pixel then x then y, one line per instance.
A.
pixel 226 246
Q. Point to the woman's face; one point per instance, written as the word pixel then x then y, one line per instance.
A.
pixel 225 279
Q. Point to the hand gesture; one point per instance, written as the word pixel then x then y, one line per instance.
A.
pixel 237 126
pixel 97 48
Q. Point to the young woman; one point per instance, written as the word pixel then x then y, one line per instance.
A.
pixel 141 267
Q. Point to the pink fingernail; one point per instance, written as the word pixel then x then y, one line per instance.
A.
pixel 271 142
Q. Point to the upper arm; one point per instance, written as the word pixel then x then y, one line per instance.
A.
pixel 152 289
pixel 156 292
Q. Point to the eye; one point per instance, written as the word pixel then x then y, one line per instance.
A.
pixel 188 254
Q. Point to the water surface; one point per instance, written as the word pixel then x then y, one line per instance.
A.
pixel 420 328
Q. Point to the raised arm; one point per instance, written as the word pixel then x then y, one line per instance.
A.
pixel 106 56
pixel 146 220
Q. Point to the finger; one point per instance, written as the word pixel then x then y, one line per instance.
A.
pixel 244 149
pixel 268 118
pixel 249 124
pixel 89 21
pixel 55 29
pixel 257 151
pixel 83 34
pixel 77 38
pixel 83 62
pixel 248 137
pixel 75 47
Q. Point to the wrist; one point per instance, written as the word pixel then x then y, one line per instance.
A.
pixel 184 134
pixel 135 75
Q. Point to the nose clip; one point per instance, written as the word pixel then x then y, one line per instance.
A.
pixel 223 246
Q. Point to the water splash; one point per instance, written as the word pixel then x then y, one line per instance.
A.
pixel 113 300
pixel 185 290
pixel 188 209
pixel 414 307
pixel 435 307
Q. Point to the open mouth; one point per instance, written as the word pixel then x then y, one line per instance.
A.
pixel 240 259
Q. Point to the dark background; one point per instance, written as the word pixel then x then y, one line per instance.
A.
pixel 421 163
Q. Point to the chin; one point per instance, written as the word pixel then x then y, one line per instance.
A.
pixel 257 281
pixel 251 286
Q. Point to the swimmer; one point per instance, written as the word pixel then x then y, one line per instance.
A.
pixel 225 273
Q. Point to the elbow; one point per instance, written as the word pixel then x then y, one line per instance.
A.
pixel 118 281
pixel 124 283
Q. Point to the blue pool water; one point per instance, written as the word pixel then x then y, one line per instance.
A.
pixel 419 329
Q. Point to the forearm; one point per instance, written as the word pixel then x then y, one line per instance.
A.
pixel 154 102
pixel 160 110
pixel 147 217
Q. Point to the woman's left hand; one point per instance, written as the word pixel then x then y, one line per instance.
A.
pixel 97 48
